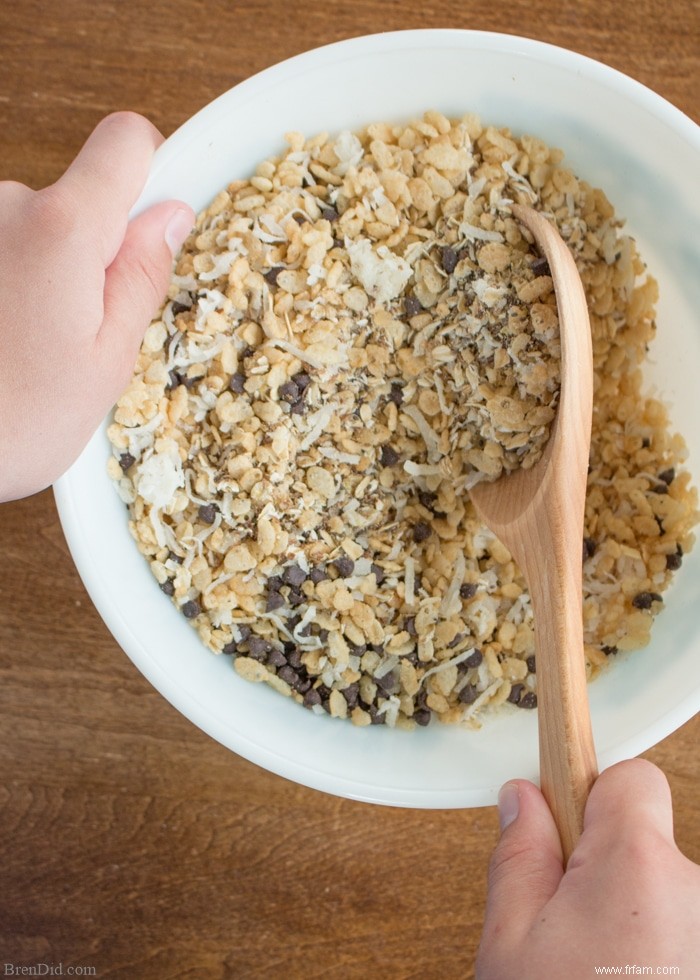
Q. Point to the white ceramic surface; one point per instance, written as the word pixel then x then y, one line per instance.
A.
pixel 617 135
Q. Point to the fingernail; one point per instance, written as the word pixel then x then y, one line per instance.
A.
pixel 508 804
pixel 177 229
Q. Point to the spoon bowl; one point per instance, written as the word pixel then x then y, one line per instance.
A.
pixel 538 515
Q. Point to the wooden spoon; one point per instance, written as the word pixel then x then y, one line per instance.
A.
pixel 538 515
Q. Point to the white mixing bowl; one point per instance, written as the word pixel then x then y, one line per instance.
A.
pixel 617 135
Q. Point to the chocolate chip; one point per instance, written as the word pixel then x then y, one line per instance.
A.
pixel 301 380
pixel 191 609
pixel 659 488
pixel 410 626
pixel 540 266
pixel 515 692
pixel 467 590
pixel 289 392
pixel 258 648
pixel 237 383
pixel 528 700
pixel 358 651
pixel 589 547
pixel 421 532
pixel 455 641
pixel 178 308
pixel 178 559
pixel 388 683
pixel 294 575
pixel 177 379
pixel 531 664
pixel 271 274
pixel 168 587
pixel 244 632
pixel 182 379
pixel 668 476
pixel 421 700
pixel 412 305
pixel 311 698
pixel 396 395
pixel 325 693
pixel 378 573
pixel 276 658
pixel 375 717
pixel 448 258
pixel 303 684
pixel 674 562
pixel 474 659
pixel 344 566
pixel 126 461
pixel 274 601
pixel 645 600
pixel 427 499
pixel 289 675
pixel 389 456
pixel 351 693
pixel 422 717
pixel 329 214
pixel 207 513
pixel 468 694
pixel 293 656
pixel 230 648
pixel 318 574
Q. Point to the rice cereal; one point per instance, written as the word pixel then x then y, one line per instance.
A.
pixel 353 337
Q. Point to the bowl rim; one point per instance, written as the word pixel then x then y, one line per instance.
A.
pixel 414 38
pixel 184 700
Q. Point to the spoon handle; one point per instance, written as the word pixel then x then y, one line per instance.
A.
pixel 568 765
pixel 538 513
pixel 553 569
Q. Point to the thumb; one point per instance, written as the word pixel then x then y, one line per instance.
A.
pixel 135 284
pixel 629 802
pixel 526 866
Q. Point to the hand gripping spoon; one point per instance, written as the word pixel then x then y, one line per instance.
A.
pixel 538 515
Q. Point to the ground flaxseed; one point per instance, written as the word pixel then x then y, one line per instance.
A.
pixel 352 338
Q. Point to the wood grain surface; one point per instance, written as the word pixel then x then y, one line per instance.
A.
pixel 130 842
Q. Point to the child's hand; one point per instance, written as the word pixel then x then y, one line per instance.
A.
pixel 628 897
pixel 78 286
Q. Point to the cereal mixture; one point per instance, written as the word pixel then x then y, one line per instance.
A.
pixel 352 338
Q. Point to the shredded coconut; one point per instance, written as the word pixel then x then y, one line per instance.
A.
pixel 381 272
pixel 349 343
pixel 157 479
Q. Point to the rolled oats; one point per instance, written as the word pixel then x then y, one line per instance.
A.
pixel 351 340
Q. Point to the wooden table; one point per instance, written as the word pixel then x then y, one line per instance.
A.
pixel 130 842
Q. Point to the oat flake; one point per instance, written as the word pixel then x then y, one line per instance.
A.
pixel 352 338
